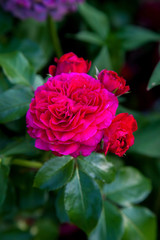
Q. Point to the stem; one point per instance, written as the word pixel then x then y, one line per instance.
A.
pixel 26 163
pixel 54 37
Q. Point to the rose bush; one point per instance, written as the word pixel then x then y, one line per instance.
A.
pixel 69 62
pixel 69 113
pixel 118 137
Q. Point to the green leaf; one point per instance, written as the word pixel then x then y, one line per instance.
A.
pixel 38 81
pixel 31 50
pixel 83 201
pixel 140 224
pixel 134 37
pixel 96 19
pixel 150 148
pixel 110 225
pixel 4 171
pixel 14 103
pixel 89 37
pixel 155 77
pixel 20 146
pixel 102 61
pixel 37 32
pixel 55 173
pixel 34 53
pixel 130 186
pixel 97 166
pixel 17 68
pixel 60 209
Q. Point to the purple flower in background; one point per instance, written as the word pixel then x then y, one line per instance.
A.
pixel 40 9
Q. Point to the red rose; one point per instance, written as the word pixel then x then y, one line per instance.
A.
pixel 69 62
pixel 112 82
pixel 69 114
pixel 118 137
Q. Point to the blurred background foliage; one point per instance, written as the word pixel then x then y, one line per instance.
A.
pixel 119 35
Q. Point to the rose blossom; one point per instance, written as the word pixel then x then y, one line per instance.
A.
pixel 118 137
pixel 112 82
pixel 69 62
pixel 40 9
pixel 69 113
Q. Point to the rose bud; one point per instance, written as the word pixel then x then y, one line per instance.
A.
pixel 112 82
pixel 118 137
pixel 69 62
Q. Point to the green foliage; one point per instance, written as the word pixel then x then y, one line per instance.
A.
pixel 39 33
pixel 89 37
pixel 17 68
pixel 96 193
pixel 110 225
pixel 130 186
pixel 55 173
pixel 14 103
pixel 60 208
pixel 125 223
pixel 155 77
pixel 140 224
pixel 102 61
pixel 30 49
pixel 96 19
pixel 147 140
pixel 97 167
pixel 24 146
pixel 134 37
pixel 81 197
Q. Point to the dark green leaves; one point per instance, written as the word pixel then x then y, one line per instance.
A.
pixel 130 186
pixel 110 225
pixel 89 37
pixel 17 68
pixel 96 19
pixel 147 140
pixel 102 61
pixel 97 167
pixel 134 37
pixel 125 223
pixel 155 78
pixel 55 173
pixel 83 201
pixel 140 224
pixel 14 103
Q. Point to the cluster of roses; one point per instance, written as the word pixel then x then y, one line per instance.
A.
pixel 74 113
pixel 40 9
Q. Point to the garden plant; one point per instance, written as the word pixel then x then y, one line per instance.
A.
pixel 79 120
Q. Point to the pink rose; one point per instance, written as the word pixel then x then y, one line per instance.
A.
pixel 118 137
pixel 112 82
pixel 69 113
pixel 69 62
